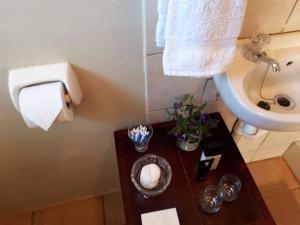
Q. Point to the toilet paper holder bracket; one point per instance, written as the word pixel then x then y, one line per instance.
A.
pixel 60 72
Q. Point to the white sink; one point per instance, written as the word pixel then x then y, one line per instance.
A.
pixel 246 83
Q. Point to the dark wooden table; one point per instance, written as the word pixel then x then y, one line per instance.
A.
pixel 185 190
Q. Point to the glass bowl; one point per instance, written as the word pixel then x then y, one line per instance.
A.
pixel 164 180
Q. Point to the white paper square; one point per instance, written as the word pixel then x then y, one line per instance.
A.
pixel 162 217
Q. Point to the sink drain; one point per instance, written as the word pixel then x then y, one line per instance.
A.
pixel 284 101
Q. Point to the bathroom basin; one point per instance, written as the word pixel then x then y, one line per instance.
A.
pixel 245 84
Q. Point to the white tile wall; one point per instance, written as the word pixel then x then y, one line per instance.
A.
pixel 268 16
pixel 157 116
pixel 248 156
pixel 267 152
pixel 294 21
pixel 292 158
pixel 280 138
pixel 217 106
pixel 236 138
pixel 163 89
pixel 249 144
pixel 273 144
pixel 211 92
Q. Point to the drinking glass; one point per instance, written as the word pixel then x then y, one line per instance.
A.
pixel 211 199
pixel 140 134
pixel 230 185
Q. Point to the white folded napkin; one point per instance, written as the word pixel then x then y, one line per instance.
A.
pixel 162 217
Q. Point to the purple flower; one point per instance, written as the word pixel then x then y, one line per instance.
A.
pixel 175 105
pixel 203 118
pixel 190 126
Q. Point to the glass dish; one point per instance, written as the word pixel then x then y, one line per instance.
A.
pixel 164 180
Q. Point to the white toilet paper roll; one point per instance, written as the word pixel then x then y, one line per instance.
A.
pixel 41 105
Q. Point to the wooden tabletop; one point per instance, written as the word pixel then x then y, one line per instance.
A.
pixel 185 190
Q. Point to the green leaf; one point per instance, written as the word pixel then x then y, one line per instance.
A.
pixel 183 98
pixel 202 106
pixel 169 113
pixel 186 115
pixel 190 109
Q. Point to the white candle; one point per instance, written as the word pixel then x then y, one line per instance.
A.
pixel 150 175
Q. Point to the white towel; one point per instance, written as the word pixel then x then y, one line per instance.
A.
pixel 162 9
pixel 199 35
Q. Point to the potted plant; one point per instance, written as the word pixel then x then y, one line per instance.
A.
pixel 191 122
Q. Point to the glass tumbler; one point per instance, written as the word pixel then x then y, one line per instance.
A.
pixel 140 134
pixel 230 185
pixel 211 199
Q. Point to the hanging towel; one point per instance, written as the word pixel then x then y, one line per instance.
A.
pixel 162 9
pixel 198 35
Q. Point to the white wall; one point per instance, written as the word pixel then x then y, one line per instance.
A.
pixel 103 40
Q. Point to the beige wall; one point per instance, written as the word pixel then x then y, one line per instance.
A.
pixel 269 16
pixel 103 40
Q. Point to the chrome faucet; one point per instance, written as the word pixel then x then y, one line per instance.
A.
pixel 254 51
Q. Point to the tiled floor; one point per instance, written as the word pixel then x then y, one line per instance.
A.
pixel 272 171
pixel 113 210
pixel 276 182
pixel 279 188
pixel 88 212
pixel 106 210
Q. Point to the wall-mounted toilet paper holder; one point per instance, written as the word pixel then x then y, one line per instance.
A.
pixel 29 76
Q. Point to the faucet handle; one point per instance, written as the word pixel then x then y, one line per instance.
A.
pixel 259 41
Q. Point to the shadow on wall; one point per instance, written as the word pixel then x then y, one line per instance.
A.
pixel 105 102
